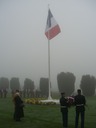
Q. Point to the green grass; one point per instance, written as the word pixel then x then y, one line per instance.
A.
pixel 40 116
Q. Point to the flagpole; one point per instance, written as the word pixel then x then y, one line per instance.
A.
pixel 49 80
pixel 52 29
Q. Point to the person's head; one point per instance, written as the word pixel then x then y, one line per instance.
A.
pixel 17 93
pixel 63 94
pixel 79 91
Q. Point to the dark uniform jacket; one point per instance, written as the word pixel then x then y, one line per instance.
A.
pixel 80 102
pixel 64 104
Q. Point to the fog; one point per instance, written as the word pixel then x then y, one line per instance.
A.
pixel 24 46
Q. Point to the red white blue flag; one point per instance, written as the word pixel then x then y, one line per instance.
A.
pixel 52 28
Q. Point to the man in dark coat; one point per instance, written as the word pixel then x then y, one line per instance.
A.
pixel 18 113
pixel 80 103
pixel 64 109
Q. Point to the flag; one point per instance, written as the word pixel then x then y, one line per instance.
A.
pixel 52 28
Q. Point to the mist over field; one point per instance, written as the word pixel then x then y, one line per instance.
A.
pixel 24 46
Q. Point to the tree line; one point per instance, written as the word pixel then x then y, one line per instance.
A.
pixel 65 82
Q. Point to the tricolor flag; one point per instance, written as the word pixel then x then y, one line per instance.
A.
pixel 52 28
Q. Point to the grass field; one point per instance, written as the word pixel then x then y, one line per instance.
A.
pixel 42 116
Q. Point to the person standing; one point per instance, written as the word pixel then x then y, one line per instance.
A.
pixel 80 103
pixel 64 109
pixel 18 103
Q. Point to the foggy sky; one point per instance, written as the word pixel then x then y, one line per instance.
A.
pixel 24 46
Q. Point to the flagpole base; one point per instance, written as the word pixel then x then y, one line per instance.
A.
pixel 49 98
